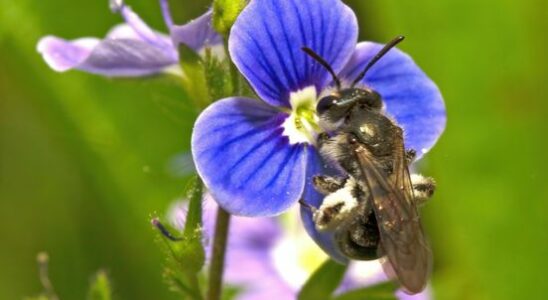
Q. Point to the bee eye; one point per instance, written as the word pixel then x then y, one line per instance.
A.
pixel 326 103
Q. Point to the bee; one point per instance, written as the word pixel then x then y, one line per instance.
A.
pixel 372 209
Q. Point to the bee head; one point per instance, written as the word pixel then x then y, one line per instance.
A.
pixel 337 106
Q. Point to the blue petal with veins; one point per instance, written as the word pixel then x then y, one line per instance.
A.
pixel 266 41
pixel 245 160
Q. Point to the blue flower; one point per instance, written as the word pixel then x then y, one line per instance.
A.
pixel 258 157
pixel 131 48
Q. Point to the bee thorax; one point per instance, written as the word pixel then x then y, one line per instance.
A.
pixel 368 129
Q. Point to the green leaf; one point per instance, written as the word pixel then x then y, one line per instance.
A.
pixel 194 77
pixel 218 76
pixel 186 256
pixel 323 282
pixel 100 288
pixel 383 291
pixel 225 13
pixel 191 252
pixel 230 292
pixel 206 79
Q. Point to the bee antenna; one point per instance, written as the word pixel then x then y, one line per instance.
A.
pixel 379 55
pixel 325 64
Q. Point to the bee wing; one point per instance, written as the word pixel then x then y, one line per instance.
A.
pixel 402 239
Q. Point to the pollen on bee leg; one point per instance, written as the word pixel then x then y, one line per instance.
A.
pixel 302 124
pixel 423 188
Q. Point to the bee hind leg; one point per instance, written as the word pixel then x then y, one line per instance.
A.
pixel 308 206
pixel 423 188
pixel 327 184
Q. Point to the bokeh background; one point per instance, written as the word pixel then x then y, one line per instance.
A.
pixel 85 160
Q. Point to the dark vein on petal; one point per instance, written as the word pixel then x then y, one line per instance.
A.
pixel 303 37
pixel 258 122
pixel 272 74
pixel 245 135
pixel 288 43
pixel 314 44
pixel 258 79
pixel 225 127
pixel 322 30
pixel 283 167
pixel 265 158
pixel 279 57
pixel 259 144
pixel 338 47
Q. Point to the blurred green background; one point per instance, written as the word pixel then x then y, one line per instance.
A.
pixel 84 160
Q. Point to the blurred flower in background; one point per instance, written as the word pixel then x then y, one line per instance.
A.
pixel 271 258
pixel 132 48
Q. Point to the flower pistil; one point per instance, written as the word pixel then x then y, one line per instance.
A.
pixel 302 124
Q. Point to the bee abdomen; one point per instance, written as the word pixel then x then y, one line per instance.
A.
pixel 360 240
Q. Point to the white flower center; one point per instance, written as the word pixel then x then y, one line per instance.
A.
pixel 302 124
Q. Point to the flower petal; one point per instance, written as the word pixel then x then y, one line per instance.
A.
pixel 124 31
pixel 410 96
pixel 141 28
pixel 426 294
pixel 197 34
pixel 361 274
pixel 120 57
pixel 166 13
pixel 245 160
pixel 266 40
pixel 325 240
pixel 61 55
pixel 249 247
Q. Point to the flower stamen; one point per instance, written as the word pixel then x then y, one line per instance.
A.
pixel 302 124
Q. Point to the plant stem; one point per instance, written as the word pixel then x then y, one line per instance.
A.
pixel 218 255
pixel 43 261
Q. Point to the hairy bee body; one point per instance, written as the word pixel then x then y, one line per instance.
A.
pixel 372 209
pixel 357 235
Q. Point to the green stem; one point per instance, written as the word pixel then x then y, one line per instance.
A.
pixel 234 74
pixel 43 261
pixel 218 255
pixel 222 223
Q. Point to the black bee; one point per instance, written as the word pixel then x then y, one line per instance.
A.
pixel 373 209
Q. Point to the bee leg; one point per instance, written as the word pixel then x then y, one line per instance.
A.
pixel 308 206
pixel 327 184
pixel 410 155
pixel 423 188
